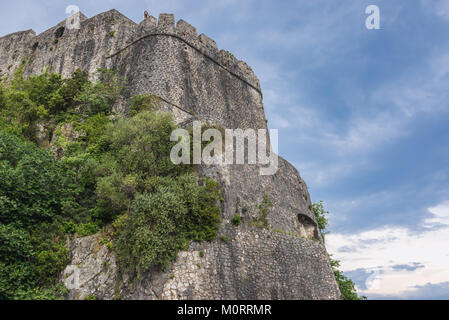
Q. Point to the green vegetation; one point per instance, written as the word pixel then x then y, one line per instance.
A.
pixel 143 102
pixel 70 166
pixel 236 220
pixel 36 196
pixel 321 217
pixel 264 207
pixel 288 233
pixel 346 285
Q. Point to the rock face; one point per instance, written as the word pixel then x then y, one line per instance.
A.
pixel 196 81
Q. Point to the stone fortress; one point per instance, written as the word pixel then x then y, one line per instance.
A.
pixel 195 81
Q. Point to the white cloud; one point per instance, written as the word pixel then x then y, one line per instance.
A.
pixel 380 250
pixel 440 216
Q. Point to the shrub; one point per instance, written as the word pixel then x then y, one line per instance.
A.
pixel 346 285
pixel 144 102
pixel 36 193
pixel 151 235
pixel 264 207
pixel 163 205
pixel 101 96
pixel 236 220
pixel 142 145
pixel 34 187
pixel 163 222
pixel 320 216
pixel 86 229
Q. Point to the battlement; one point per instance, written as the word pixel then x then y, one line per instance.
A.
pixel 167 26
pixel 113 21
pixel 203 43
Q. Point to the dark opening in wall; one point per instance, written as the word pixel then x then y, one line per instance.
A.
pixel 35 45
pixel 59 32
pixel 307 227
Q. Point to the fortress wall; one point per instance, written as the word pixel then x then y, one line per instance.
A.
pixel 165 66
pixel 251 264
pixel 188 71
pixel 12 51
pixel 85 48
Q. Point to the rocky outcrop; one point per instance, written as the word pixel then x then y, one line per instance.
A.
pixel 195 81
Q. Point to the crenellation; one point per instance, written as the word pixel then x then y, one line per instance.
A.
pixel 248 73
pixel 149 22
pixel 112 22
pixel 166 21
pixel 228 59
pixel 208 42
pixel 186 29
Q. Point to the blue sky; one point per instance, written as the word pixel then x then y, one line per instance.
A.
pixel 363 115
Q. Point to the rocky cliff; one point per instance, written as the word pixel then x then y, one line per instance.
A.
pixel 196 81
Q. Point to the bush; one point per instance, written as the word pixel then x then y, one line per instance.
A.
pixel 346 285
pixel 152 235
pixel 35 192
pixel 86 229
pixel 141 145
pixel 144 102
pixel 264 207
pixel 321 216
pixel 101 96
pixel 236 220
pixel 164 205
pixel 34 187
pixel 163 222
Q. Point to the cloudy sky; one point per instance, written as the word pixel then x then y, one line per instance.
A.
pixel 363 115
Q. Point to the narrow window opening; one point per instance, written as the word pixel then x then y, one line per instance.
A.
pixel 307 227
pixel 59 32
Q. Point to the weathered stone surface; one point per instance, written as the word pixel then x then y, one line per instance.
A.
pixel 92 270
pixel 197 82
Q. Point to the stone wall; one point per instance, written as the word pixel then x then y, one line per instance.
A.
pixel 244 263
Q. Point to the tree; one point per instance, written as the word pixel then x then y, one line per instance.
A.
pixel 346 285
pixel 163 206
pixel 35 194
